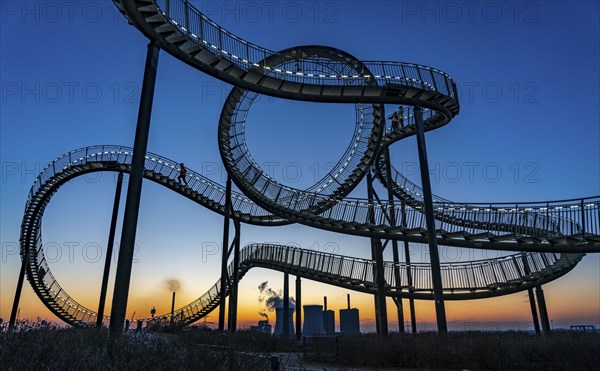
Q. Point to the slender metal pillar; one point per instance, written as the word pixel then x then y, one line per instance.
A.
pixel 298 308
pixel 436 275
pixel 109 251
pixel 134 192
pixel 392 214
pixel 15 307
pixel 379 277
pixel 409 278
pixel 534 314
pixel 286 306
pixel 225 255
pixel 233 295
pixel 543 310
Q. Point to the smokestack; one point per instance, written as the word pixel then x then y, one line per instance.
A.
pixel 348 301
pixel 173 308
pixel 325 303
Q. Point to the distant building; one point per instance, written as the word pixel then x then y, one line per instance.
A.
pixel 329 322
pixel 349 320
pixel 313 321
pixel 263 326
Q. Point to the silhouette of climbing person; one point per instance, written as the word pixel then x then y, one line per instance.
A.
pixel 182 174
pixel 401 116
pixel 394 118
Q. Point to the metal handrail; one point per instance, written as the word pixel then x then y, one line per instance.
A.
pixel 246 55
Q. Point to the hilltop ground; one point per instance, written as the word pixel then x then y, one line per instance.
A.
pixel 86 349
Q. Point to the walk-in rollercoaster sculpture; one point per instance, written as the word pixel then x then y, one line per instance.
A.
pixel 548 238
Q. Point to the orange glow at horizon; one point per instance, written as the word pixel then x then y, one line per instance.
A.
pixel 562 305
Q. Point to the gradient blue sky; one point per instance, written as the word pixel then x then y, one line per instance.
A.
pixel 71 74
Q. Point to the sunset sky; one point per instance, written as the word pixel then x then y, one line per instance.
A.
pixel 71 73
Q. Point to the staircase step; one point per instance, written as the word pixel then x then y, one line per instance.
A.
pixel 527 239
pixel 177 39
pixel 192 49
pixel 150 8
pixel 503 237
pixel 459 234
pixel 166 28
pixel 479 236
pixel 206 56
pixel 593 238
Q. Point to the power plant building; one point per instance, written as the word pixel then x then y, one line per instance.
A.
pixel 279 322
pixel 349 320
pixel 329 322
pixel 263 326
pixel 313 321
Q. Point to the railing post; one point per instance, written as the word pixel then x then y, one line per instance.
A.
pixel 582 220
pixel 187 15
pixel 134 191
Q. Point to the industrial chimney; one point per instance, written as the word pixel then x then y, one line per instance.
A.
pixel 313 320
pixel 173 308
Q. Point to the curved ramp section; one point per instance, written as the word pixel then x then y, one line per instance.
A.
pixel 560 222
pixel 461 281
pixel 116 159
pixel 552 227
pixel 348 171
pixel 187 34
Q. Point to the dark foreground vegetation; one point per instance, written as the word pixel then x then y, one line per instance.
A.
pixel 86 349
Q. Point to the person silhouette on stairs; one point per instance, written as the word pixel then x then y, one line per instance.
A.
pixel 182 174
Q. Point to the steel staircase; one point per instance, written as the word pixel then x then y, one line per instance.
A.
pixel 461 280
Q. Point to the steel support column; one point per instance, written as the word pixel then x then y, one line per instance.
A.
pixel 392 215
pixel 233 294
pixel 436 275
pixel 15 307
pixel 134 192
pixel 543 310
pixel 298 308
pixel 534 314
pixel 379 278
pixel 286 306
pixel 409 278
pixel 225 255
pixel 109 251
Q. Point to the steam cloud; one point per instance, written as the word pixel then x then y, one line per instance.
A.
pixel 272 299
pixel 263 314
pixel 172 284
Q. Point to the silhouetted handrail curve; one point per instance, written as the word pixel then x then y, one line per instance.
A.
pixel 509 275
